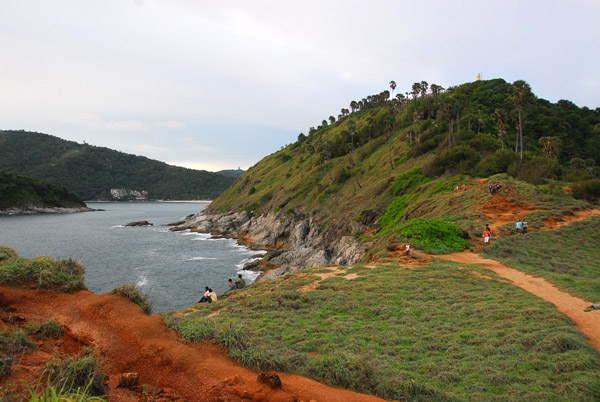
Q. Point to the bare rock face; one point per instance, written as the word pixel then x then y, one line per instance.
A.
pixel 296 241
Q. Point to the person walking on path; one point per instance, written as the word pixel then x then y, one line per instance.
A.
pixel 524 226
pixel 486 235
pixel 518 226
pixel 408 246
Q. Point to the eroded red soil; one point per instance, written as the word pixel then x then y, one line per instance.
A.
pixel 130 341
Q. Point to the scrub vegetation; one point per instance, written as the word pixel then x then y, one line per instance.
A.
pixel 434 332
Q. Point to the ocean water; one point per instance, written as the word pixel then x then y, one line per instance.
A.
pixel 174 267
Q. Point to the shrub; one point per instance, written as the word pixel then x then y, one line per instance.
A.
pixel 434 236
pixel 459 159
pixel 133 293
pixel 534 170
pixel 7 253
pixel 257 359
pixel 75 373
pixel 495 163
pixel 588 190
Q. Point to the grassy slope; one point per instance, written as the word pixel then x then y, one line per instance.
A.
pixel 430 333
pixel 568 257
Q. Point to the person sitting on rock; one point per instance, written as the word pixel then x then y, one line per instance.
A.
pixel 239 282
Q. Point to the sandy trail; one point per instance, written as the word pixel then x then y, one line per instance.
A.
pixel 588 323
pixel 501 211
pixel 131 341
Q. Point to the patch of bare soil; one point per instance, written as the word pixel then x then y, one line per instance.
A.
pixel 130 341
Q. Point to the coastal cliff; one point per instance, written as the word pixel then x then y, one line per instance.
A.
pixel 294 241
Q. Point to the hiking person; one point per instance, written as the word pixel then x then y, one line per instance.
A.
pixel 518 226
pixel 490 186
pixel 486 235
pixel 206 296
pixel 239 282
pixel 464 187
pixel 408 246
pixel 456 189
pixel 489 232
pixel 592 307
pixel 524 226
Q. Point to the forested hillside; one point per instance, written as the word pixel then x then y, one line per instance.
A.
pixel 22 192
pixel 90 171
pixel 390 159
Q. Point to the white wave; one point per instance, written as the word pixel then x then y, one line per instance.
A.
pixel 117 226
pixel 142 281
pixel 201 258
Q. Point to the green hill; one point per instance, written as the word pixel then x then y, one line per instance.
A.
pixel 419 329
pixel 91 172
pixel 22 192
pixel 388 162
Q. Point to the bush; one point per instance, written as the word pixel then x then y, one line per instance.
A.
pixel 588 190
pixel 7 253
pixel 534 170
pixel 434 236
pixel 13 342
pixel 132 292
pixel 75 373
pixel 495 163
pixel 460 159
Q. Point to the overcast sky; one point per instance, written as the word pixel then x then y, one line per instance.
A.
pixel 221 84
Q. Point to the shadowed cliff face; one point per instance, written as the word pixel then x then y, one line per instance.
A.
pixel 300 241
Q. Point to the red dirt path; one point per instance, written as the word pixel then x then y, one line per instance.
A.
pixel 131 341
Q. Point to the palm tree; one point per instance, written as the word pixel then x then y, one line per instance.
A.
pixel 416 89
pixel 550 146
pixel 370 120
pixel 388 128
pixel 500 123
pixel 522 92
pixel 424 87
pixel 332 119
pixel 436 89
pixel 393 86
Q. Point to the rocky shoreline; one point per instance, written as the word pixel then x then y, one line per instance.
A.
pixel 44 210
pixel 293 241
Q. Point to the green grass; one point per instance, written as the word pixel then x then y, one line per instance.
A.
pixel 48 329
pixel 54 394
pixel 44 272
pixel 430 333
pixel 569 256
pixel 133 293
pixel 76 373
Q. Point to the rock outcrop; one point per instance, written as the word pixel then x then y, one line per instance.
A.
pixel 43 210
pixel 139 223
pixel 294 241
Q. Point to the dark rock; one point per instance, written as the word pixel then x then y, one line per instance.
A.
pixel 140 223
pixel 129 380
pixel 271 379
pixel 252 265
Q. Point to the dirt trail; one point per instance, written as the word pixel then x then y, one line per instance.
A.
pixel 131 341
pixel 501 211
pixel 588 323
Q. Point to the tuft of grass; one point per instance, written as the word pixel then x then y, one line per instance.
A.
pixel 7 253
pixel 133 293
pixel 48 329
pixel 54 394
pixel 13 342
pixel 44 272
pixel 76 373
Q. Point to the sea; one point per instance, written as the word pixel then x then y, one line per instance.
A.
pixel 173 268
